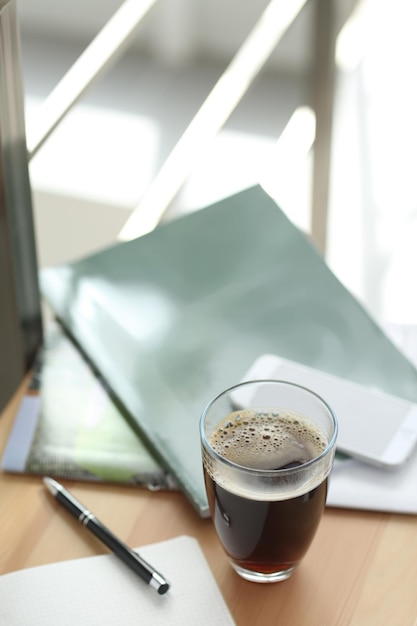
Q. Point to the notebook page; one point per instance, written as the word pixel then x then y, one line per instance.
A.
pixel 101 590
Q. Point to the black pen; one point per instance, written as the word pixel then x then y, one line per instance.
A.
pixel 120 549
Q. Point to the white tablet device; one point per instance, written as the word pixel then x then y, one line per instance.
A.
pixel 374 427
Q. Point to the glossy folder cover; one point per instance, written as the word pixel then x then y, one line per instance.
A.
pixel 174 317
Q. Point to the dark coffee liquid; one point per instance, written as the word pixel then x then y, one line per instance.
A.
pixel 266 535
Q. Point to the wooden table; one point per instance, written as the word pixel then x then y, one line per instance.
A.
pixel 361 568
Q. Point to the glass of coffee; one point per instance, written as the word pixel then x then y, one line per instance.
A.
pixel 268 448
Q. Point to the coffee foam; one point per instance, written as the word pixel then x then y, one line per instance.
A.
pixel 267 439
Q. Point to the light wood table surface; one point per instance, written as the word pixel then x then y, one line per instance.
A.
pixel 360 570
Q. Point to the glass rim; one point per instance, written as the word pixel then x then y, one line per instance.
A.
pixel 264 472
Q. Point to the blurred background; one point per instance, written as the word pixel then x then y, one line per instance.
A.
pixel 95 168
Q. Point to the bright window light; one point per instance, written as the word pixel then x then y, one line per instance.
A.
pixel 104 155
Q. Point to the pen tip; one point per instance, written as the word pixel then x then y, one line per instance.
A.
pixel 163 588
pixel 51 485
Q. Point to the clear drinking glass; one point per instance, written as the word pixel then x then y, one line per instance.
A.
pixel 268 448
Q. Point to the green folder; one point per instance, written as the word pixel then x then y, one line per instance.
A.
pixel 172 318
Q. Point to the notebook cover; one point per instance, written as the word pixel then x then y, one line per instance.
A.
pixel 174 317
pixel 68 426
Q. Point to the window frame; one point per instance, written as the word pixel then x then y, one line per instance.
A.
pixel 20 308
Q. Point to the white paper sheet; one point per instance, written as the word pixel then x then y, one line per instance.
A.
pixel 102 591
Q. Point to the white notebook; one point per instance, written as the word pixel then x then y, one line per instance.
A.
pixel 102 590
